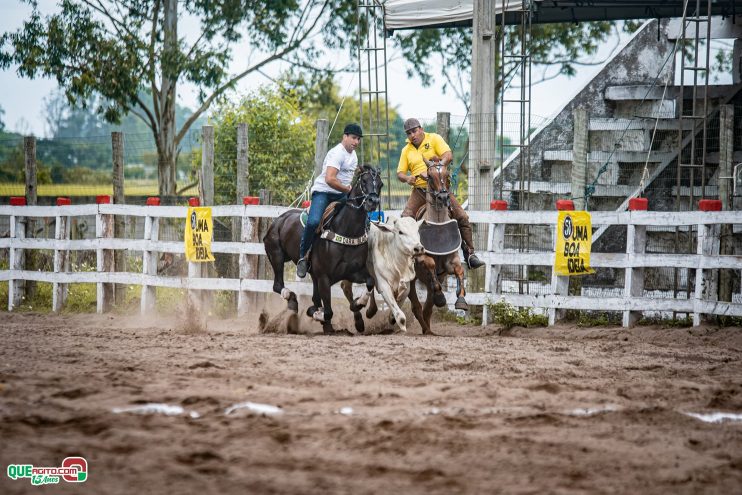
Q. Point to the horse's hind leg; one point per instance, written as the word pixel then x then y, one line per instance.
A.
pixel 277 258
pixel 347 287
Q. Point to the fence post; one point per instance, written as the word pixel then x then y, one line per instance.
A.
pixel 265 199
pixel 496 246
pixel 579 157
pixel 708 245
pixel 104 257
pixel 320 144
pixel 61 256
pixel 559 283
pixel 207 166
pixel 243 189
pixel 117 152
pixel 248 263
pixel 17 255
pixel 443 125
pixel 726 187
pixel 483 117
pixel 195 270
pixel 29 152
pixel 636 243
pixel 149 258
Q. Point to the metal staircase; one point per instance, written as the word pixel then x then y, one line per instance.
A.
pixel 516 66
pixel 372 87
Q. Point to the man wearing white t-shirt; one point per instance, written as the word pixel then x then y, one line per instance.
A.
pixel 333 184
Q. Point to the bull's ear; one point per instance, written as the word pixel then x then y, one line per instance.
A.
pixel 385 227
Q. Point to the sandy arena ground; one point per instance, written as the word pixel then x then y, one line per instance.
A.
pixel 561 410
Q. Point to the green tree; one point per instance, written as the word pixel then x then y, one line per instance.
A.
pixel 2 124
pixel 281 146
pixel 320 98
pixel 118 48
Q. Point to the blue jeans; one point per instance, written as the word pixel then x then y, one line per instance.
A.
pixel 320 200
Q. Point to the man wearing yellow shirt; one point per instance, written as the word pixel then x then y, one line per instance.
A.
pixel 429 145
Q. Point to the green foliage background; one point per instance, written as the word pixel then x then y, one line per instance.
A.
pixel 281 146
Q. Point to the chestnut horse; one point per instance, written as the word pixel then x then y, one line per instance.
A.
pixel 433 268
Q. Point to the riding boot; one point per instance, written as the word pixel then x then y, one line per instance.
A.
pixel 301 268
pixel 471 259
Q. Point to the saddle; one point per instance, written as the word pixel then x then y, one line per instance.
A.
pixel 327 216
pixel 439 238
pixel 323 228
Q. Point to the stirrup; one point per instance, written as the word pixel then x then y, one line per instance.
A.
pixel 301 268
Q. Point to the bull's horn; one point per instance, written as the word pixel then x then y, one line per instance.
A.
pixel 427 163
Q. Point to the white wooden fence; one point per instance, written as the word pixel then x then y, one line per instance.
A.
pixel 632 303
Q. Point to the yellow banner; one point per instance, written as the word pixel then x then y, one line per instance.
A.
pixel 574 240
pixel 199 231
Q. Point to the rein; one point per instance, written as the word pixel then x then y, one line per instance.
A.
pixel 429 179
pixel 364 195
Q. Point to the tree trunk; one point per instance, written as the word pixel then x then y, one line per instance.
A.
pixel 166 145
pixel 166 153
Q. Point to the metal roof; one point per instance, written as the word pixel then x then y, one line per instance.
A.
pixel 421 14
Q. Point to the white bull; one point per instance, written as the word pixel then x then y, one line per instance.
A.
pixel 392 248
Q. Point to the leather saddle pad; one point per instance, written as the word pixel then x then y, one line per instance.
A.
pixel 440 238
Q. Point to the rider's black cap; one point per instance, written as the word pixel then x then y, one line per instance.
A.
pixel 353 129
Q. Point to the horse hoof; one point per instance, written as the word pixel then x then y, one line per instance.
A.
pixel 370 314
pixel 439 299
pixel 319 315
pixel 311 310
pixel 461 304
pixel 293 304
pixel 360 327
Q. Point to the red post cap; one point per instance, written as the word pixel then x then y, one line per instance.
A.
pixel 17 201
pixel 250 200
pixel 498 204
pixel 638 204
pixel 194 202
pixel 565 205
pixel 153 201
pixel 709 204
pixel 306 203
pixel 103 199
pixel 63 201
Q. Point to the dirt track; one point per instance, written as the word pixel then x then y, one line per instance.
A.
pixel 563 410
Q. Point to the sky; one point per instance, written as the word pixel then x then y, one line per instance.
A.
pixel 23 99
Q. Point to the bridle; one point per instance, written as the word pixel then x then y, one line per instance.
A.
pixel 440 197
pixel 365 196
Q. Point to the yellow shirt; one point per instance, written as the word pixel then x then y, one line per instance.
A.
pixel 411 159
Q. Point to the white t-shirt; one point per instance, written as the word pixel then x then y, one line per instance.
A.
pixel 343 161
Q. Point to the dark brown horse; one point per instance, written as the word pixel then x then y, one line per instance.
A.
pixel 338 254
pixel 441 239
